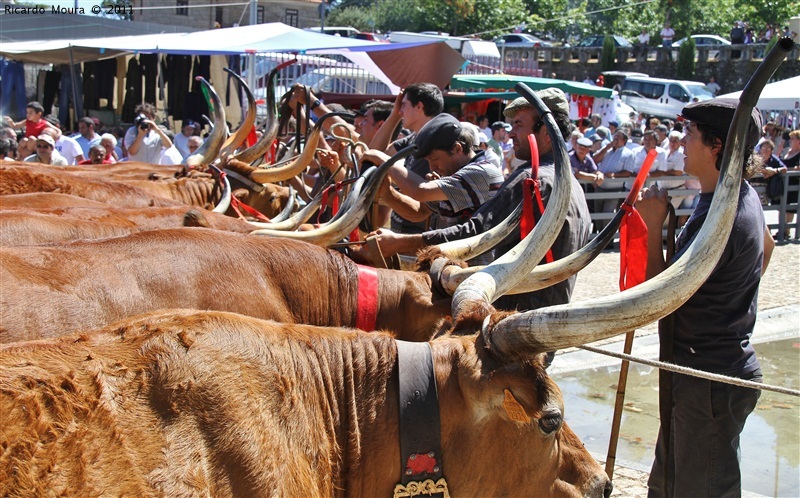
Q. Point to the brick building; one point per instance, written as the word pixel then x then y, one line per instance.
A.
pixel 205 14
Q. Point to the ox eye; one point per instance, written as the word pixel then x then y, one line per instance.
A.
pixel 550 423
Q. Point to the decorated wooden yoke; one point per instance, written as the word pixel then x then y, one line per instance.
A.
pixel 420 438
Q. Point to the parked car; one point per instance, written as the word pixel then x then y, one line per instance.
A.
pixel 376 37
pixel 520 40
pixel 705 41
pixel 659 97
pixel 597 41
pixel 334 30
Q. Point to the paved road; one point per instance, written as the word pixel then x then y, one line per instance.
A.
pixel 778 305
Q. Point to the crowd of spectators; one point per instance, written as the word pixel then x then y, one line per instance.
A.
pixel 40 138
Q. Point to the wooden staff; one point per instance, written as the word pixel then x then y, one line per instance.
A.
pixel 622 383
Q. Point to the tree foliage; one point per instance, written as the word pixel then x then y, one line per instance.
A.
pixel 607 54
pixel 566 20
pixel 685 66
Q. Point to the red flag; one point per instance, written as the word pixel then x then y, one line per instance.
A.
pixel 633 233
pixel 530 190
pixel 252 138
pixel 632 249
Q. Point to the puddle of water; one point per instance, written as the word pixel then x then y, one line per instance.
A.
pixel 770 442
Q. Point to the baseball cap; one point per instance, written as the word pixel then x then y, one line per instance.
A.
pixel 498 125
pixel 717 114
pixel 614 124
pixel 482 138
pixel 191 123
pixel 597 138
pixel 440 133
pixel 46 138
pixel 585 142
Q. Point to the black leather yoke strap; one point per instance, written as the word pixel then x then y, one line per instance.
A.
pixel 420 447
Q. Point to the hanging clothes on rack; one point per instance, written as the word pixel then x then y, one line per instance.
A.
pixel 52 80
pixel 13 100
pixel 66 95
pixel 178 70
pixel 148 63
pixel 133 90
pixel 91 98
pixel 195 106
pixel 234 64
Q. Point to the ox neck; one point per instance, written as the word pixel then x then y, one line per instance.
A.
pixel 420 425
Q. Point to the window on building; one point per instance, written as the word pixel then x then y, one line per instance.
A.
pixel 181 7
pixel 260 14
pixel 292 16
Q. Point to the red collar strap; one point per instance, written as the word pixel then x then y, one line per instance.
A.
pixel 367 303
pixel 530 190
pixel 236 204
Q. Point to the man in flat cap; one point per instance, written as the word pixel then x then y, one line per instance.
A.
pixel 461 179
pixel 573 235
pixel 712 330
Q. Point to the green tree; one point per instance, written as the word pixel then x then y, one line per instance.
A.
pixel 607 54
pixel 685 65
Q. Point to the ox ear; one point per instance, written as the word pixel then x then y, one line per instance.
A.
pixel 241 193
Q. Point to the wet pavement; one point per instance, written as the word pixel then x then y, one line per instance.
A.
pixel 779 317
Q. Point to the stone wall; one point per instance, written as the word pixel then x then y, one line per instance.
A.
pixel 731 74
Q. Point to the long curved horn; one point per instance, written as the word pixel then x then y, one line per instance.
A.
pixel 503 273
pixel 225 201
pixel 558 327
pixel 212 145
pixel 476 245
pixel 284 171
pixel 234 141
pixel 335 231
pixel 293 221
pixel 544 276
pixel 271 128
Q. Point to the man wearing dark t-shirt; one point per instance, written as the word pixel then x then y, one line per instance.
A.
pixel 575 231
pixel 712 330
pixel 415 105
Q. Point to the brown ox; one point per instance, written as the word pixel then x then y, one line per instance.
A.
pixel 46 200
pixel 51 291
pixel 51 226
pixel 188 403
pixel 19 178
pixel 25 178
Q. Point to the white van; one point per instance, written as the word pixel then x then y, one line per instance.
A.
pixel 662 98
pixel 343 31
pixel 348 80
pixel 467 47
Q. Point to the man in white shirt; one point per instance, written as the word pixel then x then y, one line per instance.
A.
pixel 182 139
pixel 145 140
pixel 68 147
pixel 667 34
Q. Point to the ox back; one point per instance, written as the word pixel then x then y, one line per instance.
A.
pixel 51 226
pixel 188 403
pixel 51 291
pixel 25 178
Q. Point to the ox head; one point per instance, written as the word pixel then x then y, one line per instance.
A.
pixel 501 386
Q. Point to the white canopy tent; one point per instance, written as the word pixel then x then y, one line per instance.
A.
pixel 781 95
pixel 398 70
